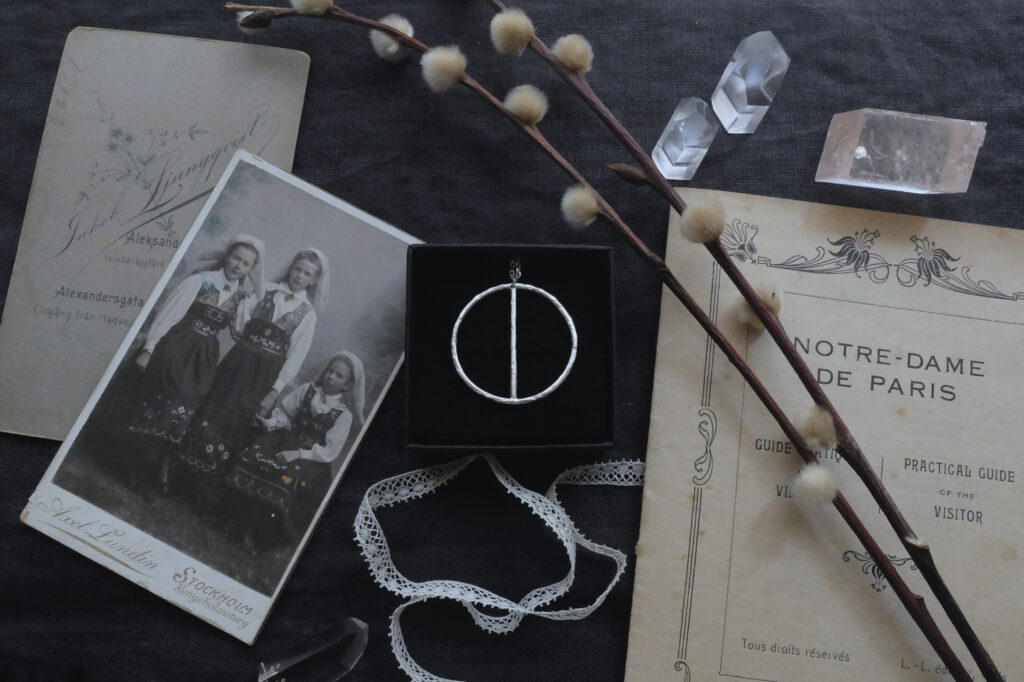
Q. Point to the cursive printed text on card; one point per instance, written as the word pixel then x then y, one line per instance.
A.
pixel 104 537
pixel 144 177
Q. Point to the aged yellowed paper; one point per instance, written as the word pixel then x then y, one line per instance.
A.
pixel 914 326
pixel 140 128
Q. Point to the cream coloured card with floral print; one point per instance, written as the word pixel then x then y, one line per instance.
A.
pixel 914 327
pixel 140 128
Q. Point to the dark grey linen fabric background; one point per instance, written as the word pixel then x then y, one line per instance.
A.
pixel 448 170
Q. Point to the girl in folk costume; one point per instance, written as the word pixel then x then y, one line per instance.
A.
pixel 314 420
pixel 182 349
pixel 275 334
pixel 290 466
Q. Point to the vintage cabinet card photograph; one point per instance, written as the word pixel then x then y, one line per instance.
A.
pixel 237 400
pixel 139 129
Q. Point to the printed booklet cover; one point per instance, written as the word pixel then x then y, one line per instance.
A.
pixel 232 408
pixel 913 326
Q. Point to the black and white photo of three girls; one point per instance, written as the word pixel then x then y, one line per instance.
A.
pixel 242 393
pixel 230 420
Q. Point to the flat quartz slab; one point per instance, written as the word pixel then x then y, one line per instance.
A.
pixel 899 151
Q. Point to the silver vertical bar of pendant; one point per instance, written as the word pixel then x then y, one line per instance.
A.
pixel 513 364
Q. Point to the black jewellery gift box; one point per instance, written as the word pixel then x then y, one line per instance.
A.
pixel 559 289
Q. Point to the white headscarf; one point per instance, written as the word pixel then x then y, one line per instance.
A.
pixel 215 259
pixel 318 291
pixel 355 396
pixel 255 275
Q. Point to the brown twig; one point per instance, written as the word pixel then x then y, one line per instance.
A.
pixel 914 604
pixel 847 445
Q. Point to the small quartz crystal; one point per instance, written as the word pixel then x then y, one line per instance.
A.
pixel 898 151
pixel 686 139
pixel 324 657
pixel 750 82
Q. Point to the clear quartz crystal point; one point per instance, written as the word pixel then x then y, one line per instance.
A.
pixel 686 139
pixel 898 151
pixel 750 82
pixel 324 658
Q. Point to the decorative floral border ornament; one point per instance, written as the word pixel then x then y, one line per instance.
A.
pixel 854 254
pixel 869 567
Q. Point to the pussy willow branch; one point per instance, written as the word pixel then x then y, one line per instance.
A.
pixel 913 603
pixel 847 445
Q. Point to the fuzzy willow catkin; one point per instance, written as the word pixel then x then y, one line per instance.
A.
pixel 386 47
pixel 511 31
pixel 579 206
pixel 443 67
pixel 575 52
pixel 528 103
pixel 311 6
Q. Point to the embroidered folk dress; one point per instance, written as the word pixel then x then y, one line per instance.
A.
pixel 275 338
pixel 184 350
pixel 310 421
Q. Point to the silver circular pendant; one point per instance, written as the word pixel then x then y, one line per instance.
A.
pixel 514 287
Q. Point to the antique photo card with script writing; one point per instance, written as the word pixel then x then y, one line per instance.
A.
pixel 231 410
pixel 140 127
pixel 914 327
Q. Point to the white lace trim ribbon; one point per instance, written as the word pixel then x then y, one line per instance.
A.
pixel 415 484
